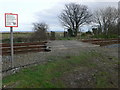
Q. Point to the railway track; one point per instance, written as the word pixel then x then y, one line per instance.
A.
pixel 24 47
pixel 103 42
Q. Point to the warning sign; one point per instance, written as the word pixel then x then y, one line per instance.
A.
pixel 11 20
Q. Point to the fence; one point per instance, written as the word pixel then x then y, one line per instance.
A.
pixel 24 47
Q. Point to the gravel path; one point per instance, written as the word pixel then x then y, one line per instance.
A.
pixel 58 48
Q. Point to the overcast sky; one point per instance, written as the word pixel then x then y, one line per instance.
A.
pixel 30 11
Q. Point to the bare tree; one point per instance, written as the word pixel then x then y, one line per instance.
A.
pixel 40 30
pixel 73 16
pixel 118 26
pixel 107 18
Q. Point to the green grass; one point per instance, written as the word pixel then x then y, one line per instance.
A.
pixel 48 75
pixel 16 35
pixel 101 79
pixel 106 36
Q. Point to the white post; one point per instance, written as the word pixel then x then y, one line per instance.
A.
pixel 11 43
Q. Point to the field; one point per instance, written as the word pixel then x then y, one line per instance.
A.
pixel 58 36
pixel 16 35
pixel 25 36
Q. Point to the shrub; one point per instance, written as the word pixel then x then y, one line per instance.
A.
pixel 40 30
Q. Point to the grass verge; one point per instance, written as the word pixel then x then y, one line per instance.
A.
pixel 42 76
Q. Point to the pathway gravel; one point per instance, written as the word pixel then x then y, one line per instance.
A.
pixel 59 48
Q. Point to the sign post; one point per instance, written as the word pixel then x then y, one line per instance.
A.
pixel 11 44
pixel 11 20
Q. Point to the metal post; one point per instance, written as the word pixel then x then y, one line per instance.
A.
pixel 11 42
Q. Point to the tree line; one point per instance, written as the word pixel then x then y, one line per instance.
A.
pixel 73 16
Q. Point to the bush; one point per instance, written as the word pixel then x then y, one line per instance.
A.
pixel 39 34
pixel 6 41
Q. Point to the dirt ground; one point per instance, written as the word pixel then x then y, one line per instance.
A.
pixel 83 77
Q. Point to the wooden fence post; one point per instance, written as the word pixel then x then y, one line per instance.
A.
pixel 65 34
pixel 52 35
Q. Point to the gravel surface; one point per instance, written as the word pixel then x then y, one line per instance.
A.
pixel 58 48
pixel 113 46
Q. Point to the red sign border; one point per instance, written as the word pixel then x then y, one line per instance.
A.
pixel 11 14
